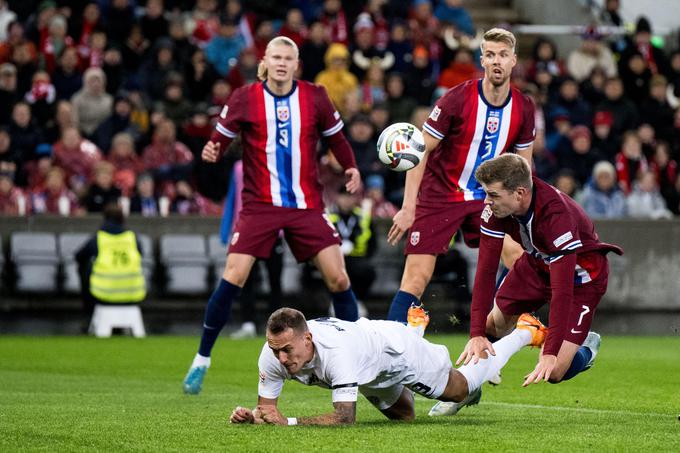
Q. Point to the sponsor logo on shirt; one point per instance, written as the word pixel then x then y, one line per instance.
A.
pixel 262 377
pixel 415 237
pixel 434 115
pixel 486 213
pixel 562 239
pixel 223 113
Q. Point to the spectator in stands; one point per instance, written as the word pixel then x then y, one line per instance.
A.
pixel 92 103
pixel 380 117
pixel 167 158
pixel 334 19
pixel 67 78
pixel 630 161
pixel 145 201
pixel 570 100
pixel 15 37
pixel 102 191
pixel 645 201
pixel 294 27
pixel 357 233
pixel 419 80
pixel 601 197
pixel 461 68
pixel 673 91
pixel 312 51
pixel 245 69
pixel 223 49
pixel 592 88
pixel 666 170
pixel 557 140
pixel 566 183
pixel 135 48
pixel 673 199
pixel 114 69
pixel 153 23
pixel 399 104
pixel 7 16
pixel 119 121
pixel 199 77
pixel 41 97
pixel 603 139
pixel 373 86
pixel 26 64
pixel 12 199
pixel 642 45
pixel 656 110
pixel 544 57
pixel 336 78
pixel 624 112
pixel 544 161
pixel 55 42
pixel 452 12
pixel 125 161
pixel 154 71
pixel 635 75
pixel 77 156
pixel 25 134
pixel 174 105
pixel 360 137
pixel 375 193
pixel 647 139
pixel 55 197
pixel 110 264
pixel 187 201
pixel 8 91
pixel 580 157
pixel 364 52
pixel 120 17
pixel 64 117
pixel 10 158
pixel 83 26
pixel 592 53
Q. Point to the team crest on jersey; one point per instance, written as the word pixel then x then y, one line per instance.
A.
pixel 282 112
pixel 434 115
pixel 486 213
pixel 492 124
pixel 234 238
pixel 415 237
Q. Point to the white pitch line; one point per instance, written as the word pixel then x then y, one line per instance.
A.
pixel 578 409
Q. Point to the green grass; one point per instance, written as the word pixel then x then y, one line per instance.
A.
pixel 77 394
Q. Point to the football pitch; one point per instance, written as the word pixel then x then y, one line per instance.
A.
pixel 122 394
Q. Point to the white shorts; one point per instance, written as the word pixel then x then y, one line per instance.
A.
pixel 424 366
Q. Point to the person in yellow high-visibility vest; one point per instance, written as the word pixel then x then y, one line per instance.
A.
pixel 110 264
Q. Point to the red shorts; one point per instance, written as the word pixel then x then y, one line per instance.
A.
pixel 434 227
pixel 307 231
pixel 525 290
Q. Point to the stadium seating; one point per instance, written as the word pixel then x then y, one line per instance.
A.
pixel 36 260
pixel 186 263
pixel 69 244
pixel 107 317
pixel 218 255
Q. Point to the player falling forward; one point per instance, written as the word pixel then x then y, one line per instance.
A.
pixel 280 121
pixel 383 360
pixel 470 124
pixel 564 264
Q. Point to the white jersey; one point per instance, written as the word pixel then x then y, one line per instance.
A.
pixel 361 355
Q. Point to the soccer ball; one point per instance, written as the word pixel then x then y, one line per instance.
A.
pixel 401 146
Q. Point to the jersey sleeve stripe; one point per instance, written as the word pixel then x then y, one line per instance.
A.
pixel 492 233
pixel 433 132
pixel 224 131
pixel 334 129
pixel 524 145
pixel 573 245
pixel 555 258
pixel 342 386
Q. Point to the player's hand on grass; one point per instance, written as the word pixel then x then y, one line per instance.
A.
pixel 353 178
pixel 242 415
pixel 401 222
pixel 271 415
pixel 544 368
pixel 476 348
pixel 211 151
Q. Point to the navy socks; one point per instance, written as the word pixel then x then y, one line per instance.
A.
pixel 345 305
pixel 217 313
pixel 579 362
pixel 400 305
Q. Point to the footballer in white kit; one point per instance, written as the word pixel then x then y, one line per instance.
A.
pixel 385 361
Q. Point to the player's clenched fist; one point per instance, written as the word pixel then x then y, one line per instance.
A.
pixel 211 151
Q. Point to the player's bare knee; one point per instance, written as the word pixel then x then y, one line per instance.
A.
pixel 338 281
pixel 234 275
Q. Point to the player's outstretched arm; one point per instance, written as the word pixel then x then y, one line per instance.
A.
pixel 345 414
pixel 403 219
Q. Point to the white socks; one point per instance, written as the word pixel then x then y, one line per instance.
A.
pixel 199 360
pixel 485 369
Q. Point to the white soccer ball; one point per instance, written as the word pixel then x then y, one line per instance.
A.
pixel 401 146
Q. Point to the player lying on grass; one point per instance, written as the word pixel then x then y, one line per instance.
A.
pixel 383 360
pixel 564 264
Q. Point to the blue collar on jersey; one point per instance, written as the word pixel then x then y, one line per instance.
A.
pixel 264 84
pixel 481 95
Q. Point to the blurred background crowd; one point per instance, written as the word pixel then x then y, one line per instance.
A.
pixel 112 100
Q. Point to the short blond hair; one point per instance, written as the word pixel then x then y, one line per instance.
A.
pixel 499 35
pixel 261 68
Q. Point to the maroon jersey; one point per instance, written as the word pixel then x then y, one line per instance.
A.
pixel 560 241
pixel 471 131
pixel 280 136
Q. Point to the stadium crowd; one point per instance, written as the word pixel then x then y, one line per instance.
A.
pixel 113 100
